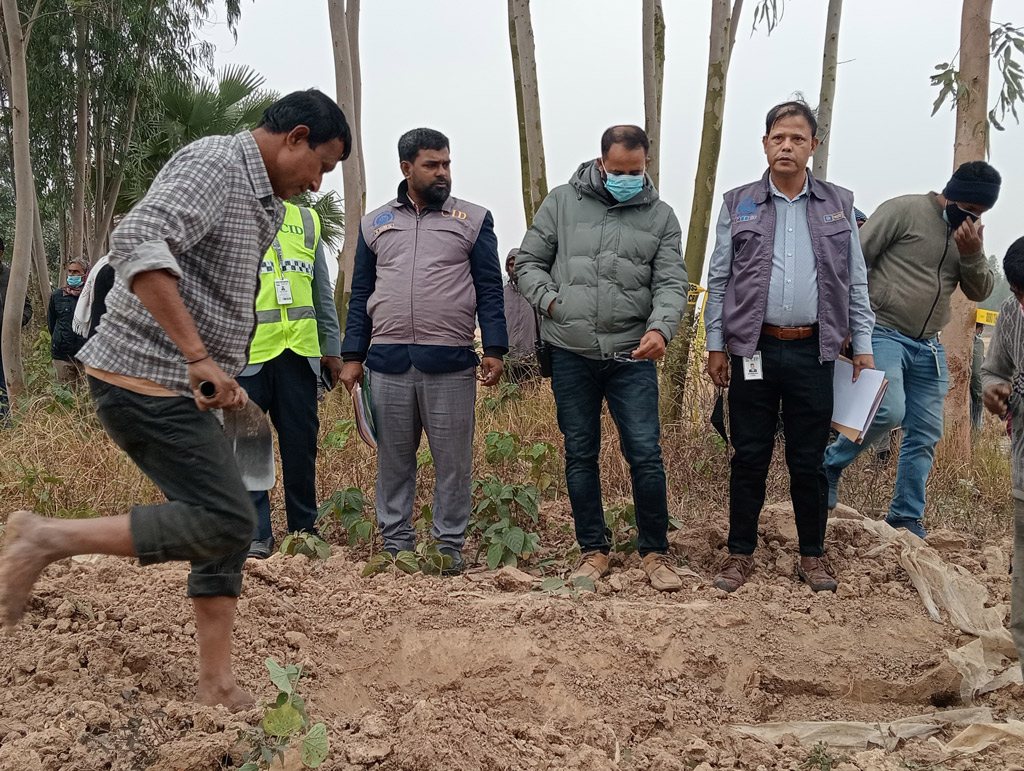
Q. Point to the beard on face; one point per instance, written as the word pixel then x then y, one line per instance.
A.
pixel 436 193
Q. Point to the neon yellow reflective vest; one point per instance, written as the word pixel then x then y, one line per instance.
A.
pixel 288 326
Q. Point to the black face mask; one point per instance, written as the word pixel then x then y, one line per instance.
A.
pixel 955 216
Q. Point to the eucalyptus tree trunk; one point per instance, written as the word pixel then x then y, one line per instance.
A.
pixel 827 95
pixel 737 11
pixel 39 257
pixel 344 35
pixel 531 139
pixel 674 372
pixel 969 145
pixel 82 136
pixel 654 80
pixel 17 288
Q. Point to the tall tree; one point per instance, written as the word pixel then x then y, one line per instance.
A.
pixel 531 139
pixel 703 194
pixel 826 97
pixel 722 40
pixel 344 22
pixel 10 338
pixel 654 80
pixel 970 144
pixel 77 245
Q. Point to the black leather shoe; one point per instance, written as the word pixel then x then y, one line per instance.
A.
pixel 261 549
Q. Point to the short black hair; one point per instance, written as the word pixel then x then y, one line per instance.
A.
pixel 1 243
pixel 313 109
pixel 797 106
pixel 630 137
pixel 1013 265
pixel 978 171
pixel 411 142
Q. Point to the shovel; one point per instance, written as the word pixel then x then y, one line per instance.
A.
pixel 249 433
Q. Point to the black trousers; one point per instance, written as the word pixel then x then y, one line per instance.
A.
pixel 792 376
pixel 208 518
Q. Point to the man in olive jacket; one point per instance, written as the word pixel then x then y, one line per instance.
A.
pixel 918 250
pixel 602 264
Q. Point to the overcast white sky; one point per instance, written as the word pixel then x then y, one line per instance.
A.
pixel 447 65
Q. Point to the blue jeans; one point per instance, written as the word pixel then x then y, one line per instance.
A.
pixel 918 381
pixel 580 386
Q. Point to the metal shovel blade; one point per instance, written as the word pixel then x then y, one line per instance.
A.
pixel 249 432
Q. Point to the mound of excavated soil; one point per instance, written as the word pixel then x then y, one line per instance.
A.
pixel 481 672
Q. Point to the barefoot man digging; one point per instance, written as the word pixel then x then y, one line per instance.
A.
pixel 181 312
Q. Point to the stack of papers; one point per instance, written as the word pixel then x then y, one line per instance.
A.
pixel 364 414
pixel 855 405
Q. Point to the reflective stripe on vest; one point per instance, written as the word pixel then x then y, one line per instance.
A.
pixel 292 257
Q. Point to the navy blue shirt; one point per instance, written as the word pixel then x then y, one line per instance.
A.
pixel 396 358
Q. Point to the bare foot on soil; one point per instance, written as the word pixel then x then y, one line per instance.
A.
pixel 234 698
pixel 23 558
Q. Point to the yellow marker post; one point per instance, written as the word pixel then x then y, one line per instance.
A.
pixel 987 318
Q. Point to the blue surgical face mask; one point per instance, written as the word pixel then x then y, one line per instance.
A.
pixel 74 280
pixel 623 186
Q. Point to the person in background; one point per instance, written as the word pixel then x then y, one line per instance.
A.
pixel 65 342
pixel 297 338
pixel 918 249
pixel 1001 378
pixel 426 269
pixel 602 264
pixel 26 315
pixel 521 320
pixel 786 285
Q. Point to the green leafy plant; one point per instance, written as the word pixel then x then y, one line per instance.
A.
pixel 501 514
pixel 406 561
pixel 347 507
pixel 424 458
pixel 338 437
pixel 500 447
pixel 821 760
pixel 503 395
pixel 305 543
pixel 431 560
pixel 620 520
pixel 282 722
pixel 539 455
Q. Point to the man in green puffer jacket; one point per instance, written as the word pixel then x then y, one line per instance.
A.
pixel 602 264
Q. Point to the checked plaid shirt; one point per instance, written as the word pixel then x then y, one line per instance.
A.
pixel 208 218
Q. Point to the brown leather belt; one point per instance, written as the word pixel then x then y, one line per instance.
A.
pixel 788 333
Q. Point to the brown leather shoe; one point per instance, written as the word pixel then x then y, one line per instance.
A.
pixel 593 565
pixel 661 573
pixel 734 572
pixel 817 573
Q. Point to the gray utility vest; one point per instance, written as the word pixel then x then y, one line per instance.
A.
pixel 424 293
pixel 829 218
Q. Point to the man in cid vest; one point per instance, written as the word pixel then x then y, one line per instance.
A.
pixel 297 336
pixel 426 269
pixel 786 285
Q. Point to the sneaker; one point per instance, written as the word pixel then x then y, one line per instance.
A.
pixel 261 548
pixel 592 565
pixel 817 573
pixel 832 475
pixel 457 565
pixel 734 572
pixel 660 570
pixel 915 526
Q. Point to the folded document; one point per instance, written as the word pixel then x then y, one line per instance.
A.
pixel 855 405
pixel 364 414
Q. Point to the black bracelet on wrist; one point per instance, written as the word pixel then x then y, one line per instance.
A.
pixel 196 361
